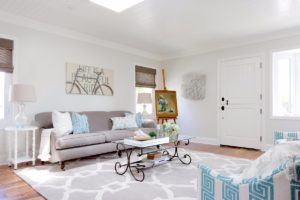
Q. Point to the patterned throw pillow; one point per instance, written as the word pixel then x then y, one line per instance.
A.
pixel 124 122
pixel 138 118
pixel 80 123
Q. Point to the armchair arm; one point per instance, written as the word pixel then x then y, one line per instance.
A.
pixel 212 185
pixel 283 136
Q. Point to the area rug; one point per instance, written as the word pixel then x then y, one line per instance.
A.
pixel 95 178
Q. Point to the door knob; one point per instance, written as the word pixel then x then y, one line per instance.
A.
pixel 222 107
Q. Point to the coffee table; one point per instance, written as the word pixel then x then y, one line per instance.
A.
pixel 136 168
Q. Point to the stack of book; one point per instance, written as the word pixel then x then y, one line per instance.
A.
pixel 154 159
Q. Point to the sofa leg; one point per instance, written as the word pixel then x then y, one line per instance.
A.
pixel 62 165
pixel 43 163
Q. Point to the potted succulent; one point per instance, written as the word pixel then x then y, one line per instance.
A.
pixel 152 134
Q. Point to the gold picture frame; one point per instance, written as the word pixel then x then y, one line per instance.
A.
pixel 166 104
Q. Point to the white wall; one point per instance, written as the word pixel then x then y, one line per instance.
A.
pixel 199 118
pixel 41 59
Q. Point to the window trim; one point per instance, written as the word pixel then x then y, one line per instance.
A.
pixel 271 78
pixel 8 117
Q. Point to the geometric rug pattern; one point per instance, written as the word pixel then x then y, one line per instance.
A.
pixel 95 178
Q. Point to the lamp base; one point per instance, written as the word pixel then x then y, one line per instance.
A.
pixel 145 113
pixel 21 119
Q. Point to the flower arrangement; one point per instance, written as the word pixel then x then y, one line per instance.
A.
pixel 171 130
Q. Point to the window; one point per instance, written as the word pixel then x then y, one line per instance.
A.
pixel 286 83
pixel 145 83
pixel 149 106
pixel 6 69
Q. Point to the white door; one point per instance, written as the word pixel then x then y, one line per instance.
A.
pixel 240 114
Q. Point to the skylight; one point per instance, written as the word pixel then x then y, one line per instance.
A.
pixel 117 5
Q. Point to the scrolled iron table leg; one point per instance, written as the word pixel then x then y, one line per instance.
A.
pixel 138 170
pixel 185 156
pixel 118 165
pixel 129 165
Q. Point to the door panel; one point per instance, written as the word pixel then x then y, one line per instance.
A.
pixel 241 126
pixel 240 82
pixel 240 88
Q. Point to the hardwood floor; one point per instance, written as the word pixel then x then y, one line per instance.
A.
pixel 14 188
pixel 251 154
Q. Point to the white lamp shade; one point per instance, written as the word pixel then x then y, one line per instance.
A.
pixel 144 98
pixel 22 93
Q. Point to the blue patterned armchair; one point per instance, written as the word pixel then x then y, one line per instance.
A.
pixel 278 186
pixel 283 136
pixel 282 184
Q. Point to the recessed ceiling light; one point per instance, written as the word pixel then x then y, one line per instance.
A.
pixel 117 5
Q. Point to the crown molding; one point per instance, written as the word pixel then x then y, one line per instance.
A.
pixel 33 24
pixel 247 41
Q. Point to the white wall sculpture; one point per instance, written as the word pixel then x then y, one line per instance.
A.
pixel 193 86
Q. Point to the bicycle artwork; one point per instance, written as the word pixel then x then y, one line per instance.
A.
pixel 88 80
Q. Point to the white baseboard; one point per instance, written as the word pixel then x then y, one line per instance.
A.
pixel 3 159
pixel 205 140
pixel 213 141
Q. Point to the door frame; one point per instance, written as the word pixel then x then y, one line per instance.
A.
pixel 263 129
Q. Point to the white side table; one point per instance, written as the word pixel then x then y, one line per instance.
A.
pixel 16 132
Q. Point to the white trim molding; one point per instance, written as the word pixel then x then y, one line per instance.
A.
pixel 29 23
pixel 3 160
pixel 268 37
pixel 206 140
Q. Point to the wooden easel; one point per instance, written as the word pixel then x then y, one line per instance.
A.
pixel 165 119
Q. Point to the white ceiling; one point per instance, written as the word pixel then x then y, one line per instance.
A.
pixel 168 27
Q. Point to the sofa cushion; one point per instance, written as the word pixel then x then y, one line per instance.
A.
pixel 62 122
pixel 112 114
pixel 44 120
pixel 98 120
pixel 117 135
pixel 77 140
pixel 121 123
pixel 80 123
pixel 138 118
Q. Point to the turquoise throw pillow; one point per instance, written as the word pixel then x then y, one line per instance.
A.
pixel 80 123
pixel 138 119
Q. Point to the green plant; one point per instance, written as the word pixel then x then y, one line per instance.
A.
pixel 152 134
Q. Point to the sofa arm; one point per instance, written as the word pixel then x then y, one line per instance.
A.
pixel 149 124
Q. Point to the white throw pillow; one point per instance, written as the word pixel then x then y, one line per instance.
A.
pixel 271 159
pixel 124 122
pixel 62 122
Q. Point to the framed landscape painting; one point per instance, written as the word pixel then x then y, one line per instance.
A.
pixel 166 104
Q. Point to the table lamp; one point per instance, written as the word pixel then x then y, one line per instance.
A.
pixel 21 93
pixel 144 98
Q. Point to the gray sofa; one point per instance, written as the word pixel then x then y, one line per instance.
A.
pixel 98 141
